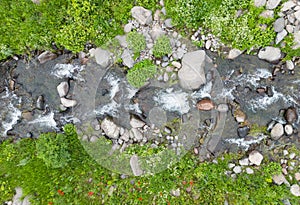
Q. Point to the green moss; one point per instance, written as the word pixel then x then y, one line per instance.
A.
pixel 257 129
pixel 140 73
pixel 162 47
pixel 136 41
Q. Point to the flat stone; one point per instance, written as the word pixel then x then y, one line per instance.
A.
pixel 231 165
pixel 127 58
pixel 63 89
pixel 280 36
pixel 295 190
pixel 234 53
pixel 279 179
pixel 287 5
pixel 291 115
pixel 270 54
pixel 205 104
pixel 279 25
pixel 156 32
pixel 136 123
pixel 68 102
pixel 249 170
pixel 289 28
pixel 297 15
pixel 135 167
pixel 191 75
pixel 122 40
pixel 296 40
pixel 46 56
pixel 157 116
pixel 102 57
pixel 128 27
pixel 277 131
pixel 222 107
pixel 297 176
pixel 267 14
pixel 289 65
pixel 255 157
pixel 168 23
pixel 259 3
pixel 134 133
pixel 142 15
pixel 272 4
pixel 176 64
pixel 110 128
pixel 125 136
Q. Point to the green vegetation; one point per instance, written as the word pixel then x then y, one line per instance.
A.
pixel 84 181
pixel 140 73
pixel 162 47
pixel 136 41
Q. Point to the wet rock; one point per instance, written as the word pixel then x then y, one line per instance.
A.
pixel 270 54
pixel 288 129
pixel 192 75
pixel 135 167
pixel 261 90
pixel 243 131
pixel 68 102
pixel 255 157
pixel 27 115
pixel 127 58
pixel 289 65
pixel 142 15
pixel 40 102
pixel 279 179
pixel 135 134
pixel 46 56
pixel 259 3
pixel 157 116
pixel 110 128
pixel 279 25
pixel 291 115
pixel 63 89
pixel 240 116
pixel 272 4
pixel 234 53
pixel 222 108
pixel 102 57
pixel 295 190
pixel 277 131
pixel 205 105
pixel 136 123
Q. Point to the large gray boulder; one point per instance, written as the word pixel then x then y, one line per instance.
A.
pixel 142 15
pixel 192 75
pixel 270 54
pixel 103 57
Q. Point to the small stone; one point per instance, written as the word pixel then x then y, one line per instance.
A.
pixel 288 129
pixel 289 28
pixel 279 25
pixel 63 89
pixel 295 190
pixel 291 115
pixel 68 102
pixel 27 115
pixel 280 36
pixel 125 136
pixel 222 108
pixel 128 27
pixel 249 170
pixel 297 176
pixel 205 105
pixel 102 57
pixel 175 192
pixel 46 56
pixel 287 5
pixel 127 58
pixel 292 155
pixel 136 134
pixel 196 151
pixel 279 179
pixel 284 171
pixel 237 169
pixel 166 77
pixel 267 14
pixel 289 65
pixel 136 123
pixel 277 131
pixel 208 44
pixel 234 53
pixel 259 3
pixel 168 23
pixel 135 167
pixel 285 152
pixel 142 15
pixel 231 165
pixel 270 54
pixel 40 102
pixel 110 128
pixel 255 157
pixel 176 64
pixel 243 131
pixel 272 4
pixel 297 15
pixel 93 139
pixel 240 116
pixel 244 162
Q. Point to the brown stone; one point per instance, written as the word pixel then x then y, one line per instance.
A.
pixel 205 104
pixel 291 115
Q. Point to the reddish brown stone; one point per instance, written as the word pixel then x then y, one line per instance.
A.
pixel 205 104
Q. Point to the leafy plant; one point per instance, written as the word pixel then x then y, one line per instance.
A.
pixel 136 41
pixel 53 150
pixel 162 47
pixel 140 73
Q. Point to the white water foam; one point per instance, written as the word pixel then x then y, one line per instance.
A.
pixel 67 71
pixel 110 109
pixel 47 120
pixel 173 100
pixel 14 115
pixel 245 144
pixel 114 83
pixel 203 92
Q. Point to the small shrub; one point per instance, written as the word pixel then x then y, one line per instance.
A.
pixel 138 75
pixel 136 41
pixel 52 148
pixel 162 47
